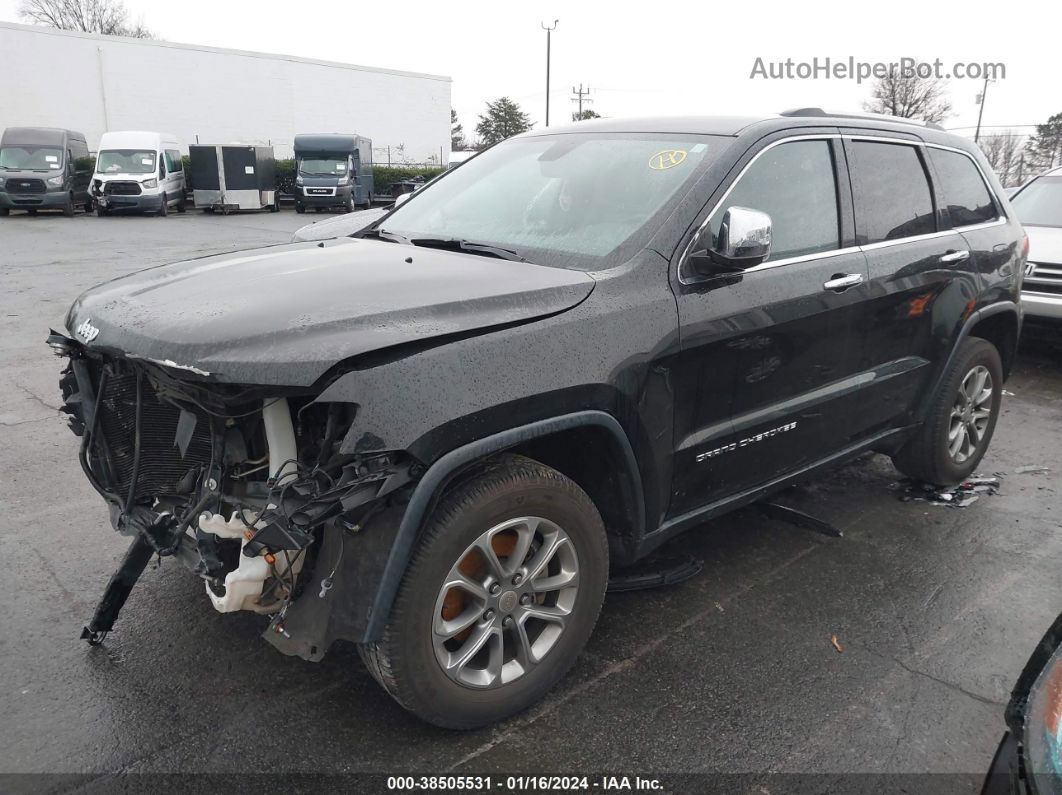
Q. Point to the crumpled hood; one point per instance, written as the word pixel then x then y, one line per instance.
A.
pixel 284 315
pixel 1045 244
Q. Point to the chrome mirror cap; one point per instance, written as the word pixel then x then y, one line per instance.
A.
pixel 744 237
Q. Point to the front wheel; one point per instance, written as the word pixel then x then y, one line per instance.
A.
pixel 69 209
pixel 955 435
pixel 500 598
pixel 300 208
pixel 164 208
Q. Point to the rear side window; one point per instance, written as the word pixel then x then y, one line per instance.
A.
pixel 966 196
pixel 794 184
pixel 892 198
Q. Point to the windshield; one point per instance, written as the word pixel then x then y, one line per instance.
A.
pixel 31 158
pixel 125 161
pixel 571 199
pixel 323 166
pixel 1040 203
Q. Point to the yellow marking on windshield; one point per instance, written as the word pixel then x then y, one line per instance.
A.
pixel 669 158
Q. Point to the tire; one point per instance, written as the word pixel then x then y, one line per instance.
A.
pixel 5 212
pixel 348 205
pixel 954 421
pixel 181 204
pixel 101 211
pixel 69 209
pixel 275 206
pixel 300 208
pixel 513 498
pixel 164 206
pixel 89 207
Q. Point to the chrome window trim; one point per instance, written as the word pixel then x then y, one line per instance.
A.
pixel 984 181
pixel 1000 220
pixel 697 234
pixel 833 252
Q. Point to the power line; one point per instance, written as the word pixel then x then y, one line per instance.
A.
pixel 581 97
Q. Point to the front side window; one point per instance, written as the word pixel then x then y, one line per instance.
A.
pixel 31 158
pixel 794 184
pixel 569 200
pixel 892 197
pixel 126 161
pixel 965 194
pixel 1040 202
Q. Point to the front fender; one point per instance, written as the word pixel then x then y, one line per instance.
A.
pixel 439 474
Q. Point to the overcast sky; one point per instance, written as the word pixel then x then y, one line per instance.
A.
pixel 644 58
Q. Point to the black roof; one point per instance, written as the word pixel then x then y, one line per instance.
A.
pixel 14 136
pixel 763 125
pixel 326 142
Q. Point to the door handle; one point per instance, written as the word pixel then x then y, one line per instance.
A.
pixel 842 281
pixel 955 256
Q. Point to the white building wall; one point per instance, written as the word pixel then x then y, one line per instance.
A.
pixel 94 83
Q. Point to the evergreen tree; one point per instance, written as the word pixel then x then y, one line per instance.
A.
pixel 503 119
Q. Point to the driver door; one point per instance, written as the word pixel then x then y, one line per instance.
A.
pixel 769 357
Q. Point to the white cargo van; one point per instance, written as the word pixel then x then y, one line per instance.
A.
pixel 138 170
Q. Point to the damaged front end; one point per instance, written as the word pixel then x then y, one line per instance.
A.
pixel 246 486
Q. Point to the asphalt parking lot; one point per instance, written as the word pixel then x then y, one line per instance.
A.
pixel 936 608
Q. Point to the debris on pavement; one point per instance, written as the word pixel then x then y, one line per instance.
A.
pixel 836 643
pixel 1031 470
pixel 961 496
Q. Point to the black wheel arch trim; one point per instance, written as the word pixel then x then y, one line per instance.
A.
pixel 975 317
pixel 439 474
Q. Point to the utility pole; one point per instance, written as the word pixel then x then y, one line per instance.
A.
pixel 981 111
pixel 581 97
pixel 549 30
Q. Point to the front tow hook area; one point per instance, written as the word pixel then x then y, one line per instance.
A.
pixel 118 589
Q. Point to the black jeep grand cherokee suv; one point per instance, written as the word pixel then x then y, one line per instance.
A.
pixel 432 439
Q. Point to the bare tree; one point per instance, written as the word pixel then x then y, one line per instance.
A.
pixel 1003 151
pixel 906 94
pixel 109 17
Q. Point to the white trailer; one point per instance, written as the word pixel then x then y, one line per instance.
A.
pixel 209 94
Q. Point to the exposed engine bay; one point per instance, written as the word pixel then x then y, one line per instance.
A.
pixel 242 485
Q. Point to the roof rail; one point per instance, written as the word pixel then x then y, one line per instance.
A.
pixel 880 116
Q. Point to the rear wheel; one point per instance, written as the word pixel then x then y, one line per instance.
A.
pixel 953 439
pixel 500 598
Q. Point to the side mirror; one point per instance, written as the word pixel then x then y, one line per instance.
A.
pixel 744 241
pixel 402 198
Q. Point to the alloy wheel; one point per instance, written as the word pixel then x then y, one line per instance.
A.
pixel 505 603
pixel 970 414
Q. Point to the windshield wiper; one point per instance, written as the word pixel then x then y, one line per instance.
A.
pixel 456 244
pixel 383 234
